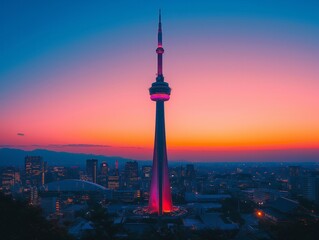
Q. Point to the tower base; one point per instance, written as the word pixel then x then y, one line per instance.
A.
pixel 177 211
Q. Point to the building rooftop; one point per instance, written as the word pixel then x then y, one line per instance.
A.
pixel 214 221
pixel 284 205
pixel 194 197
pixel 193 223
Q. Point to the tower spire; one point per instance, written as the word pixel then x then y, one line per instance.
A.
pixel 159 34
pixel 159 51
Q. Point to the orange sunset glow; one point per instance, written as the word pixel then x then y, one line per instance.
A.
pixel 234 91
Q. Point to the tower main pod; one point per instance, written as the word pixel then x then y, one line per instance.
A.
pixel 160 200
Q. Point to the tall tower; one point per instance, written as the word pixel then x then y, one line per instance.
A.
pixel 160 200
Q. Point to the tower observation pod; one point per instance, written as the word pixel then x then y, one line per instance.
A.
pixel 160 200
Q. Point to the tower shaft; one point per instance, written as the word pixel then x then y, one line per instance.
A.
pixel 160 196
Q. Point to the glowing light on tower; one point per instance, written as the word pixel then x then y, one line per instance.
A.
pixel 160 200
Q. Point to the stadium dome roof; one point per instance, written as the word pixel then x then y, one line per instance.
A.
pixel 73 185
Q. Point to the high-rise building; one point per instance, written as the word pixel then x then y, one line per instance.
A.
pixel 91 169
pixel 104 168
pixel 131 175
pixel 294 180
pixel 146 172
pixel 8 177
pixel 190 171
pixel 34 196
pixel 114 179
pixel 56 173
pixel 190 178
pixel 113 182
pixel 146 181
pixel 104 172
pixel 34 170
pixel 310 186
pixel 160 200
pixel 117 168
pixel 17 177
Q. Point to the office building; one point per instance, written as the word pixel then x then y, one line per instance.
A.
pixel 35 169
pixel 91 169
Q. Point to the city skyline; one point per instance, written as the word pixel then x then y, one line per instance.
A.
pixel 72 80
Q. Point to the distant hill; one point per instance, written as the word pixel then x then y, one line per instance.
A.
pixel 15 157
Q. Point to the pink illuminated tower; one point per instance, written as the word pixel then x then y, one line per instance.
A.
pixel 160 201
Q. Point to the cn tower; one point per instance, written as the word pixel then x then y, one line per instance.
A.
pixel 160 200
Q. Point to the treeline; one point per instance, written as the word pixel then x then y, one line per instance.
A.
pixel 18 221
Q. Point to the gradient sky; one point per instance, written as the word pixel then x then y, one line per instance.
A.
pixel 74 76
